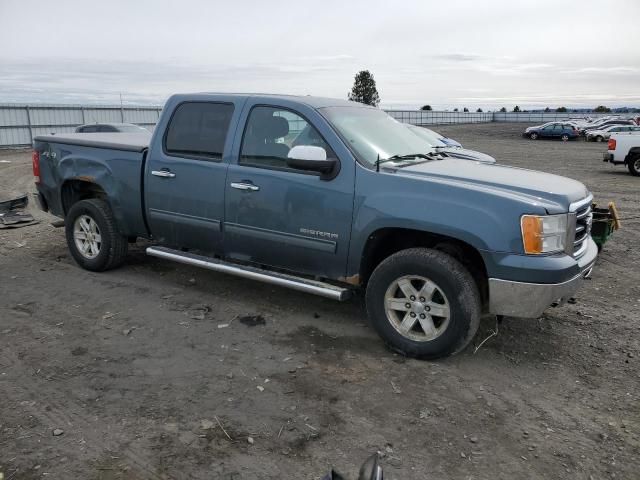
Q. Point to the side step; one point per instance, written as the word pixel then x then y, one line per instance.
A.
pixel 281 279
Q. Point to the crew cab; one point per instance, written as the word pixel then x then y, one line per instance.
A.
pixel 624 149
pixel 327 197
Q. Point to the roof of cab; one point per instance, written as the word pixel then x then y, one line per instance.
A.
pixel 314 102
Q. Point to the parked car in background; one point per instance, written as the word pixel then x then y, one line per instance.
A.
pixel 606 123
pixel 600 135
pixel 111 128
pixel 563 131
pixel 433 139
pixel 624 148
pixel 450 142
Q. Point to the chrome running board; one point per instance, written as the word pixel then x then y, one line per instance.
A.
pixel 275 278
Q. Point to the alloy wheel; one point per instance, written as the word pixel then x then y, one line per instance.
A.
pixel 417 308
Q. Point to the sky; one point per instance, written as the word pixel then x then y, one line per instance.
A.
pixel 448 54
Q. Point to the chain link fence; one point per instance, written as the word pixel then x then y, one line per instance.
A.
pixel 431 117
pixel 19 124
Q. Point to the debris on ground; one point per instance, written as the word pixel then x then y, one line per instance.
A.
pixel 252 320
pixel 11 215
pixel 79 351
pixel 206 424
pixel 57 432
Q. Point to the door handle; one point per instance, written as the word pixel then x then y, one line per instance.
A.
pixel 245 186
pixel 163 173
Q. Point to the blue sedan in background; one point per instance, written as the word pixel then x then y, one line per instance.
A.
pixel 563 131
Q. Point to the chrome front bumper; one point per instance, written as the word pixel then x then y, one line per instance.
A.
pixel 529 300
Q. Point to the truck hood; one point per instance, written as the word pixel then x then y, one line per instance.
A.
pixel 553 192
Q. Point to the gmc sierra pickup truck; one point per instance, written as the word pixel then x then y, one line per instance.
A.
pixel 327 197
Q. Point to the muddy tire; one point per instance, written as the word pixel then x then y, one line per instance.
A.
pixel 92 236
pixel 423 303
pixel 634 166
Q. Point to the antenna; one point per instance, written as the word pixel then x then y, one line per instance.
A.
pixel 378 163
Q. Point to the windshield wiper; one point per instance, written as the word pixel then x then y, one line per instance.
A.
pixel 410 156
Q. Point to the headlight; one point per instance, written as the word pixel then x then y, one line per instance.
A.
pixel 544 234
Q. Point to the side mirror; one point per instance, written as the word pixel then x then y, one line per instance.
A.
pixel 311 158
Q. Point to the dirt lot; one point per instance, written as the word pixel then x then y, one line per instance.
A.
pixel 152 372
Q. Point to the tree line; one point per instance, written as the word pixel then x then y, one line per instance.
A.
pixel 364 90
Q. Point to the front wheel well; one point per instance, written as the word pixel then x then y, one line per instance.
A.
pixel 75 190
pixel 387 241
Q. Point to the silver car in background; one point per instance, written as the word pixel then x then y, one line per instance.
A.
pixel 458 152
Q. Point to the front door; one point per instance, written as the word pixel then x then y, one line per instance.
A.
pixel 279 216
pixel 185 177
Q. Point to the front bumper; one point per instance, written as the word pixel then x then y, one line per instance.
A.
pixel 529 300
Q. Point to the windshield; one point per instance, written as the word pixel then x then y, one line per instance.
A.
pixel 371 133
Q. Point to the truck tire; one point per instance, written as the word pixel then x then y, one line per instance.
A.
pixel 634 166
pixel 92 236
pixel 423 303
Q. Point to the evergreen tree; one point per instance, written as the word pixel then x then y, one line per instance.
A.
pixel 364 89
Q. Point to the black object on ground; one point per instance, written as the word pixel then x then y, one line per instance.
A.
pixel 252 320
pixel 11 216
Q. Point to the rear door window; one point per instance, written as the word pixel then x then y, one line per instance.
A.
pixel 198 130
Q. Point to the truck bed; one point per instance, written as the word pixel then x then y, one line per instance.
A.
pixel 130 142
pixel 110 162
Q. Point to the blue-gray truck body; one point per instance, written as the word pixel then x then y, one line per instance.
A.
pixel 324 227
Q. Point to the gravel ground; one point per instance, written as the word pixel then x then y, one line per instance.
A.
pixel 161 371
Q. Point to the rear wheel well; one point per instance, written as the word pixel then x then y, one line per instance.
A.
pixel 387 241
pixel 75 190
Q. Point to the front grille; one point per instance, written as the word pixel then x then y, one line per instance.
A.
pixel 584 217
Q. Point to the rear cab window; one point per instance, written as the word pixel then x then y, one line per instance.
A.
pixel 198 130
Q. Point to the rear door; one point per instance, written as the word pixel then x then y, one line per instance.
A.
pixel 185 175
pixel 277 215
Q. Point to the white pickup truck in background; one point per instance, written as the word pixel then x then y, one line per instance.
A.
pixel 624 148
